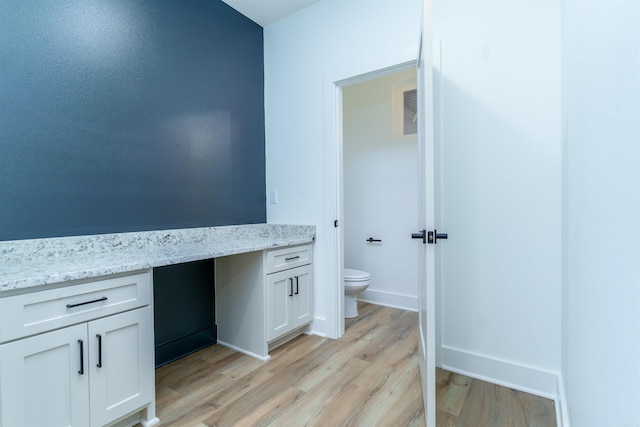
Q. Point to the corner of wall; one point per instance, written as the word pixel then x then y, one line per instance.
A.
pixel 562 411
pixel 319 327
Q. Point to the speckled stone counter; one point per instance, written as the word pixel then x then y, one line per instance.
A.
pixel 37 262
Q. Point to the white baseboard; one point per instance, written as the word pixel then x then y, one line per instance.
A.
pixel 243 351
pixel 502 372
pixel 389 299
pixel 319 326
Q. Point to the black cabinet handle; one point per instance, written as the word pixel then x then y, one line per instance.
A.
pixel 292 258
pixel 99 365
pixel 371 240
pixel 290 286
pixel 297 279
pixel 81 371
pixel 86 302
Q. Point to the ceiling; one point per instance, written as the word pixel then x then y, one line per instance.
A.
pixel 265 12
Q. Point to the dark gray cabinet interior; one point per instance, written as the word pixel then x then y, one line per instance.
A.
pixel 184 303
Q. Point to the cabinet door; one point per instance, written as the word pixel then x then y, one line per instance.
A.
pixel 44 380
pixel 279 295
pixel 303 295
pixel 121 364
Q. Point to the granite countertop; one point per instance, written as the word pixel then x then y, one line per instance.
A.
pixel 37 262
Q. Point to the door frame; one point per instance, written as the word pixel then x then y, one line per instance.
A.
pixel 333 143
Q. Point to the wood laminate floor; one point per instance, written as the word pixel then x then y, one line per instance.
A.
pixel 369 377
pixel 464 401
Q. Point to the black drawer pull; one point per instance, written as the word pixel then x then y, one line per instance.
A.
pixel 292 258
pixel 99 365
pixel 81 371
pixel 86 302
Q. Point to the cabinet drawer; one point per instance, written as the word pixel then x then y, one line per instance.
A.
pixel 289 257
pixel 33 313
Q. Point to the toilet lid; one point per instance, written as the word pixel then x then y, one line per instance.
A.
pixel 355 275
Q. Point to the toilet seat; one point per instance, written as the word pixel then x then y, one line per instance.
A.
pixel 351 275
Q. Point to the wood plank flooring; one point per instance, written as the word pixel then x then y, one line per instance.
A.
pixel 464 401
pixel 369 377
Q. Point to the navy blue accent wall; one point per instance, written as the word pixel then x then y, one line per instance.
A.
pixel 129 115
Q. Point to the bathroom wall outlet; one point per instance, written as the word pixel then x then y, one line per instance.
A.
pixel 273 197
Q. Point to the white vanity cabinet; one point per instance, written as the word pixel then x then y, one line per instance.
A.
pixel 289 293
pixel 39 380
pixel 264 298
pixel 121 365
pixel 78 355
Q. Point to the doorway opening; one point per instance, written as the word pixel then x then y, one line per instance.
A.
pixel 380 185
pixel 334 199
pixel 420 59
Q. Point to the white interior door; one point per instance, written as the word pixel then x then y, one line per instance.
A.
pixel 426 198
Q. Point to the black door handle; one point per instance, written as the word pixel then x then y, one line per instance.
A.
pixel 371 240
pixel 433 236
pixel 429 236
pixel 422 235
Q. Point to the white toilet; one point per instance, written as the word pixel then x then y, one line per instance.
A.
pixel 355 281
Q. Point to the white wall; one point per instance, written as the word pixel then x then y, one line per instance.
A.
pixel 300 51
pixel 512 310
pixel 601 290
pixel 380 188
pixel 501 190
